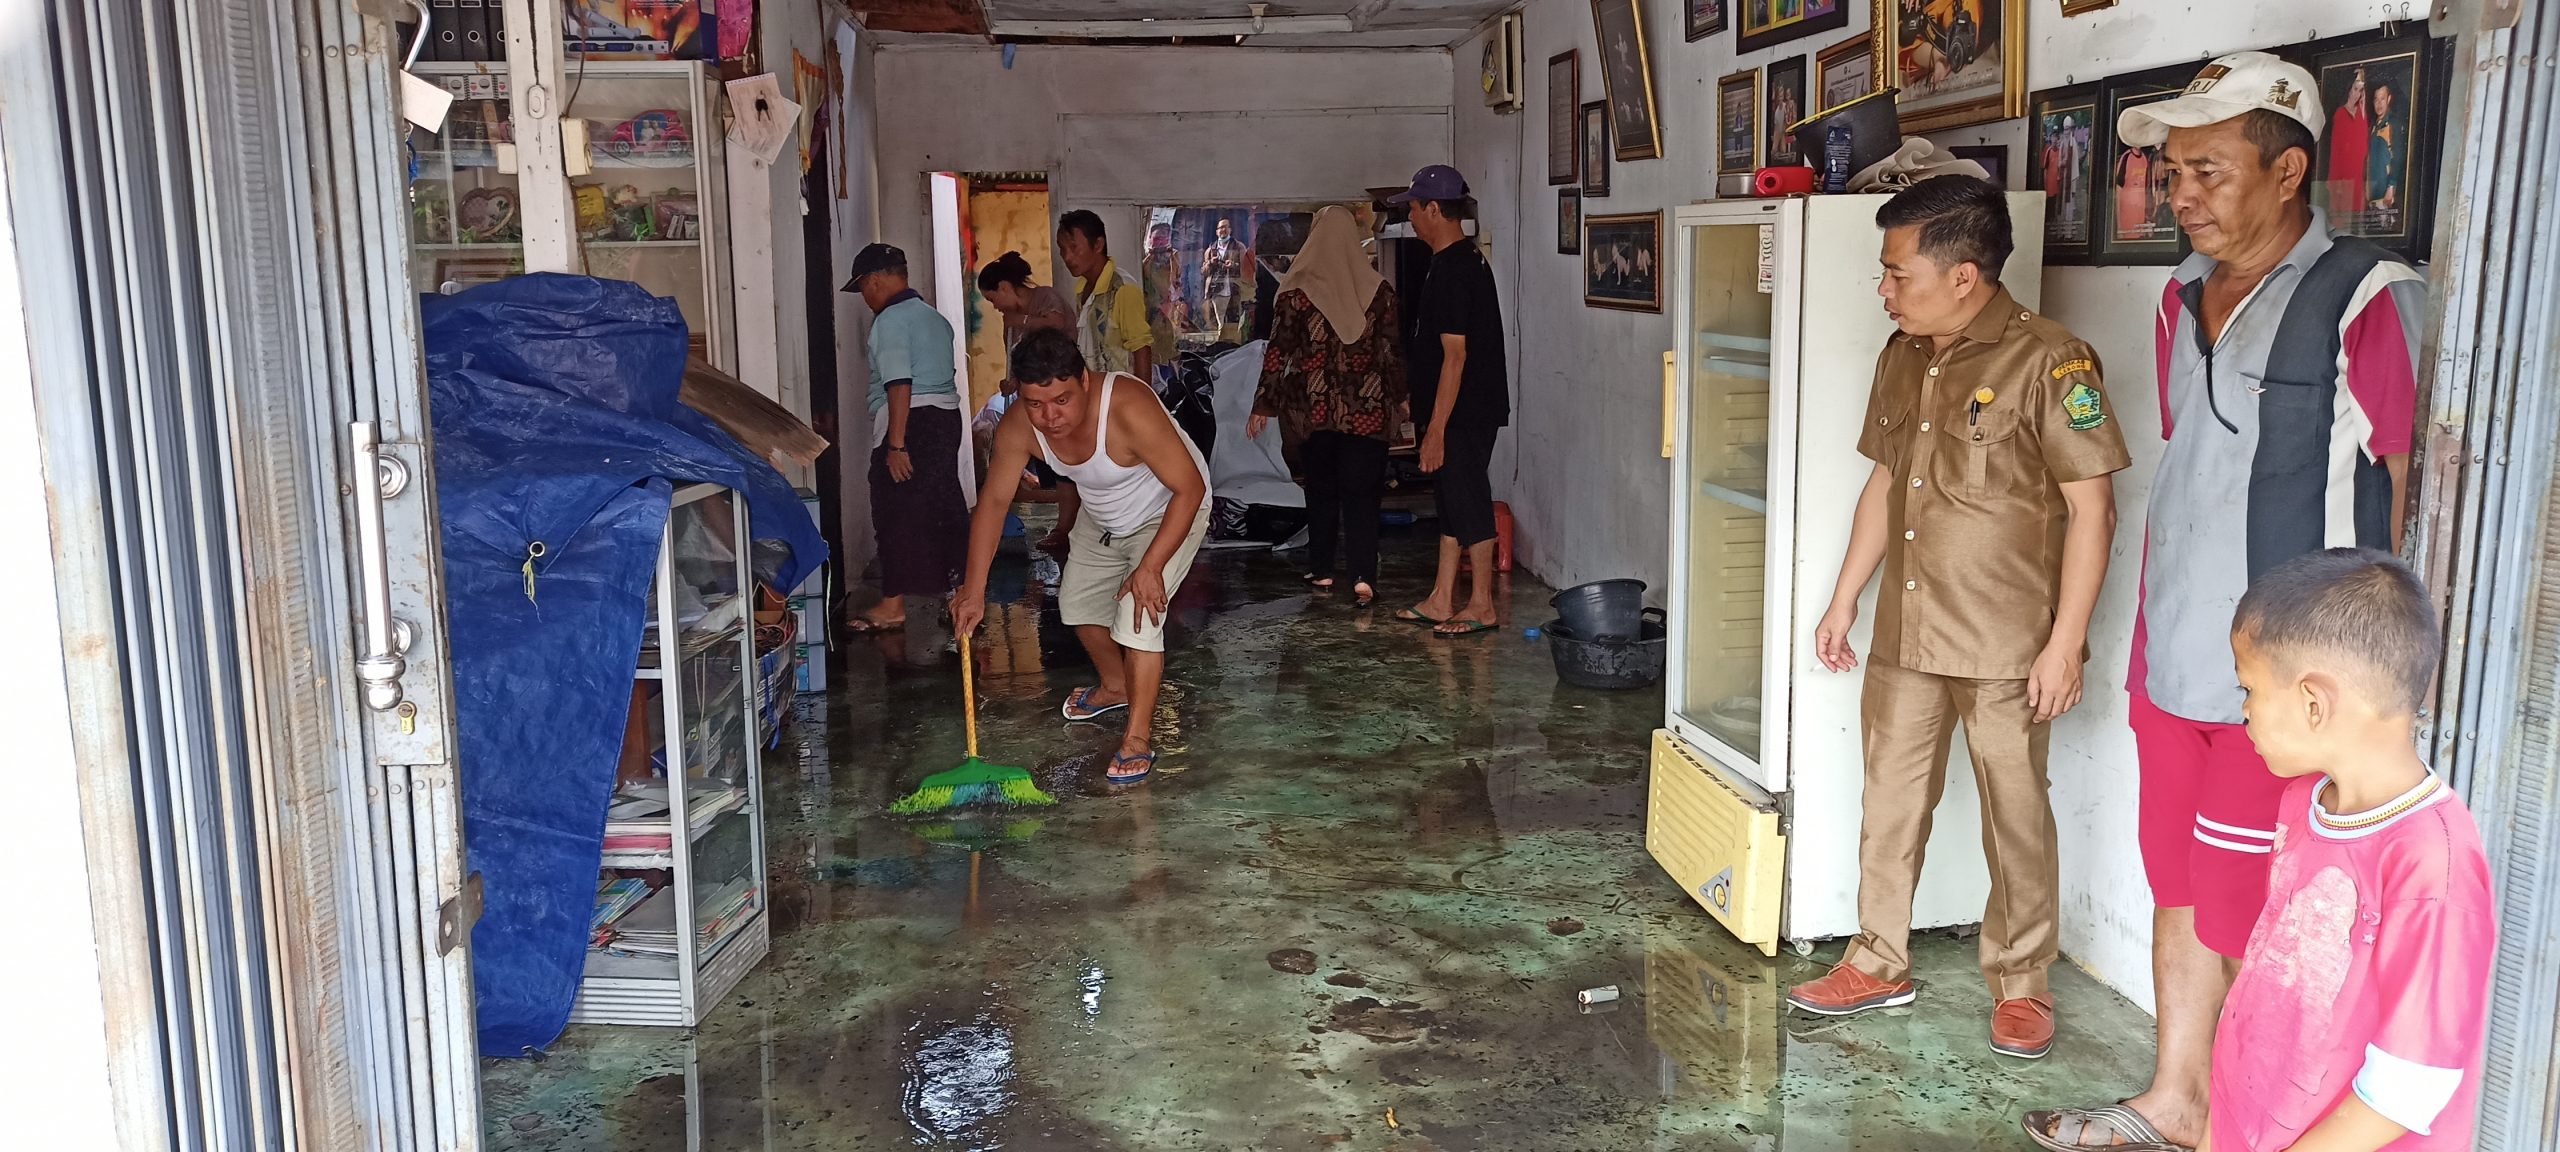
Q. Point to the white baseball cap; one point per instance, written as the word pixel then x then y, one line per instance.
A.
pixel 2228 87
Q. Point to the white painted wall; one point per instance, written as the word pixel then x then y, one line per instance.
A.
pixel 1585 480
pixel 1118 129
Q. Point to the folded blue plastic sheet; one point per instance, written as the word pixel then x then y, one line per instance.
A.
pixel 553 401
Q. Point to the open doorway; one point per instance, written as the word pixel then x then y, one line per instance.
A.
pixel 1000 212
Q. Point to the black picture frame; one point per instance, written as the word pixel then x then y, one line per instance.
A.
pixel 2418 71
pixel 1702 18
pixel 1622 262
pixel 2063 142
pixel 2134 224
pixel 1759 24
pixel 1782 103
pixel 1595 150
pixel 1994 159
pixel 1569 222
pixel 1564 91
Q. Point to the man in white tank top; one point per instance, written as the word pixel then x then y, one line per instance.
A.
pixel 1146 509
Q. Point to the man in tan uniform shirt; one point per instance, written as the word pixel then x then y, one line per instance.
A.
pixel 1991 509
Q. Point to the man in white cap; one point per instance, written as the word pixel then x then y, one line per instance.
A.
pixel 2288 395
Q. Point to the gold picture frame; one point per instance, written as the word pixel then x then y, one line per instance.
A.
pixel 1738 123
pixel 1626 74
pixel 2080 7
pixel 1939 74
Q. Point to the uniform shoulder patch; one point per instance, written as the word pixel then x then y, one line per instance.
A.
pixel 2084 407
pixel 2068 367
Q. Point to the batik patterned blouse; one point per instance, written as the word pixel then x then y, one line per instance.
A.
pixel 1313 382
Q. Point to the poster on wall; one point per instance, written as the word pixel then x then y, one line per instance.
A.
pixel 1844 72
pixel 2136 224
pixel 1959 62
pixel 1564 89
pixel 1738 123
pixel 2384 100
pixel 1569 222
pixel 1785 95
pixel 2060 130
pixel 1627 74
pixel 1768 23
pixel 1622 262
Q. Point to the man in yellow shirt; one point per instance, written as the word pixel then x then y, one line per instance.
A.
pixel 1114 330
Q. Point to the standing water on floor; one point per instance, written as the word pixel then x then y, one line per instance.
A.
pixel 1351 910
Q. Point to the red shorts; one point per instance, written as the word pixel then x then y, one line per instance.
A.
pixel 2208 821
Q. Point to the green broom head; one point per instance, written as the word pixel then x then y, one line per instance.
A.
pixel 974 782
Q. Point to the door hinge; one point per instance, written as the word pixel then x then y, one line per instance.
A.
pixel 455 917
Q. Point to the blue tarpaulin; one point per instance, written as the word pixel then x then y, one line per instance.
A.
pixel 553 400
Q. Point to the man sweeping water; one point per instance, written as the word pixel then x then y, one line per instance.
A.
pixel 1146 509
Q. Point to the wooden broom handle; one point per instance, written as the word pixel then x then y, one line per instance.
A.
pixel 969 697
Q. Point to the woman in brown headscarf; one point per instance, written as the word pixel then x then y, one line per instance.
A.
pixel 1334 376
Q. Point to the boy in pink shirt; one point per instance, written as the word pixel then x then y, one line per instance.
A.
pixel 2357 1019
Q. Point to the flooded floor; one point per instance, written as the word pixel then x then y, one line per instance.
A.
pixel 1350 911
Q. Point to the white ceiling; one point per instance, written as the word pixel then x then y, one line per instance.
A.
pixel 1303 23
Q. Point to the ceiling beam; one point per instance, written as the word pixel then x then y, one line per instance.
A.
pixel 1166 29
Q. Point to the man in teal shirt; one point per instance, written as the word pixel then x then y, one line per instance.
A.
pixel 918 497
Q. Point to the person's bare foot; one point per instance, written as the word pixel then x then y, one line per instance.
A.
pixel 1432 609
pixel 1133 761
pixel 2077 1128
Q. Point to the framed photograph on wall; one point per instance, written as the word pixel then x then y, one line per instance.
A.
pixel 1702 18
pixel 2135 223
pixel 2384 97
pixel 1564 94
pixel 1568 222
pixel 1627 76
pixel 1960 65
pixel 1738 123
pixel 1783 91
pixel 1622 262
pixel 1844 72
pixel 2083 7
pixel 1994 159
pixel 1595 149
pixel 1769 23
pixel 2062 137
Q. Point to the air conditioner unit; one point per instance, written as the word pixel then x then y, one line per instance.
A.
pixel 1503 64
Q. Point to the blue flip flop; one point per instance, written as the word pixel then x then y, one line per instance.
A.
pixel 1074 708
pixel 1146 758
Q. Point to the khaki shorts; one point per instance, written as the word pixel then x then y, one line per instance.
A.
pixel 1089 582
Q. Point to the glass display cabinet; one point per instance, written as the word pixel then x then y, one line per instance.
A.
pixel 680 903
pixel 651 206
pixel 1756 772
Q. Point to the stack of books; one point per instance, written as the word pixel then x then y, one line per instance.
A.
pixel 613 899
pixel 650 929
pixel 636 824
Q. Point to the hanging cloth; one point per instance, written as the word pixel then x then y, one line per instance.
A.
pixel 1335 274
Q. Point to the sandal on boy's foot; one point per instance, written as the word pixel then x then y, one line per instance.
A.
pixel 1317 581
pixel 1410 616
pixel 1076 709
pixel 1146 762
pixel 1363 600
pixel 1460 626
pixel 2118 1121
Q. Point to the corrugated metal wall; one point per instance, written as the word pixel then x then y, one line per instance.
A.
pixel 2491 543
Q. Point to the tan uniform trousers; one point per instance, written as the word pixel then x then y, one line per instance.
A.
pixel 1907 718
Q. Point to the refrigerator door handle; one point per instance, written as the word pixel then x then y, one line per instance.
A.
pixel 1670 401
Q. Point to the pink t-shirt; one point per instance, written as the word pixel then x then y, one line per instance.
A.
pixel 2368 972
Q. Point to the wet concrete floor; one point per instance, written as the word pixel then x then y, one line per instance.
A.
pixel 1350 911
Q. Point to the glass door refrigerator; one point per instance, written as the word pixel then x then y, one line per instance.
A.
pixel 1755 775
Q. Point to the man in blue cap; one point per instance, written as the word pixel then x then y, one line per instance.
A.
pixel 919 498
pixel 1460 382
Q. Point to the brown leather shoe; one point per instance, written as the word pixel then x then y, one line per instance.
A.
pixel 2023 1027
pixel 1847 992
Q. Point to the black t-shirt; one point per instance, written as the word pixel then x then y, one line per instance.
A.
pixel 1458 299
